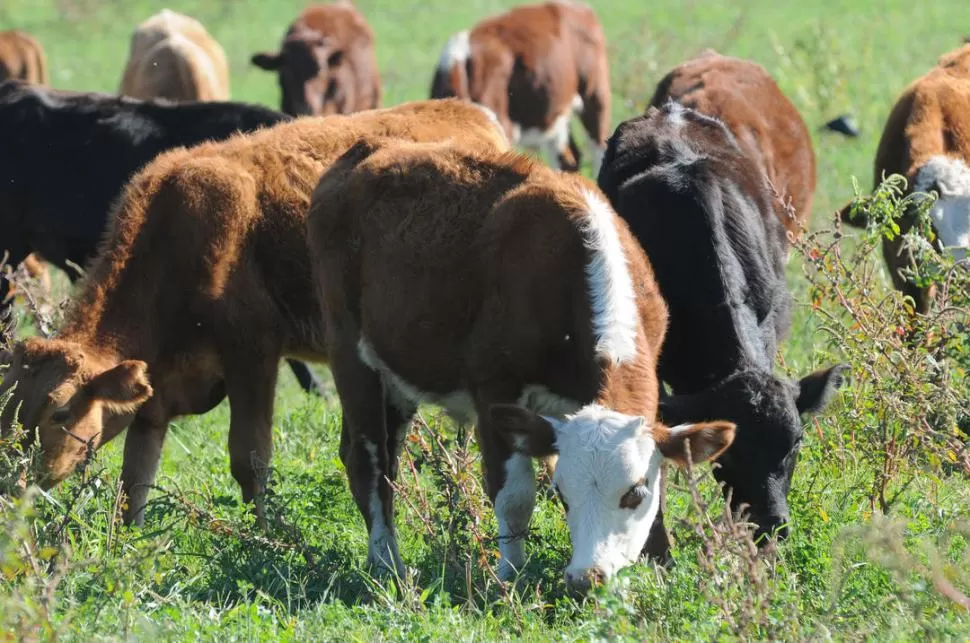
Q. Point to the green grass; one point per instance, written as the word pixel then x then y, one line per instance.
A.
pixel 205 573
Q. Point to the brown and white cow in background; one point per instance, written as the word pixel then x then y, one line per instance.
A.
pixel 534 66
pixel 491 285
pixel 172 56
pixel 326 64
pixel 203 285
pixel 927 140
pixel 22 58
pixel 743 95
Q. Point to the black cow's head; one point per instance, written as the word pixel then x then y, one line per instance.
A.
pixel 308 64
pixel 768 410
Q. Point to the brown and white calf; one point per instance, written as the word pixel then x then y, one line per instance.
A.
pixel 202 286
pixel 927 140
pixel 173 56
pixel 513 296
pixel 326 63
pixel 22 58
pixel 534 66
pixel 743 95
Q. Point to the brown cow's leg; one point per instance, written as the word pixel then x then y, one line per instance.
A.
pixel 595 118
pixel 251 389
pixel 368 448
pixel 143 451
pixel 510 481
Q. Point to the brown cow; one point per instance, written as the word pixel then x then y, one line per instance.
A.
pixel 326 64
pixel 173 56
pixel 22 57
pixel 743 95
pixel 203 284
pixel 927 140
pixel 489 284
pixel 534 66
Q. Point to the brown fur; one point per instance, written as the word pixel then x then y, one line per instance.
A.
pixel 22 58
pixel 172 56
pixel 744 96
pixel 465 270
pixel 203 284
pixel 931 118
pixel 529 63
pixel 342 77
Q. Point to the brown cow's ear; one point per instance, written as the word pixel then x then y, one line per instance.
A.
pixel 269 62
pixel 123 388
pixel 706 440
pixel 525 432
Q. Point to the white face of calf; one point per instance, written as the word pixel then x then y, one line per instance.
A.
pixel 607 476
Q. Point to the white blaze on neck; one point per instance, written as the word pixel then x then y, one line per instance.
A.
pixel 457 51
pixel 950 177
pixel 614 304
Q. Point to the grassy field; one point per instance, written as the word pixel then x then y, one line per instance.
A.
pixel 853 568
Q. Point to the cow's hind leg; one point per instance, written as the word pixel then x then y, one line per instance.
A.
pixel 373 427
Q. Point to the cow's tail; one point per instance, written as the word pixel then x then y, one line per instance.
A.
pixel 451 74
pixel 40 60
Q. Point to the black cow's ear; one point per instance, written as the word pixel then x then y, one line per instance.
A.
pixel 816 390
pixel 525 432
pixel 269 62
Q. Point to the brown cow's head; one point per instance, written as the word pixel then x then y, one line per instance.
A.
pixel 74 399
pixel 308 65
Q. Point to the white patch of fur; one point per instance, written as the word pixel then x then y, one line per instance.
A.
pixel 615 315
pixel 406 396
pixel 950 177
pixel 457 51
pixel 602 455
pixel 548 143
pixel 382 548
pixel 514 504
pixel 675 113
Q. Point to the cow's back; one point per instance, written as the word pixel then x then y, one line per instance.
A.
pixel 745 97
pixel 702 212
pixel 930 118
pixel 173 56
pixel 241 205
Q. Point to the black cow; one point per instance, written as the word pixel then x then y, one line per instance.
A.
pixel 65 156
pixel 703 212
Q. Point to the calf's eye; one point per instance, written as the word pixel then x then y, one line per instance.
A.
pixel 632 498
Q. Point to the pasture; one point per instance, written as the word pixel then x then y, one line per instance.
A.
pixel 880 544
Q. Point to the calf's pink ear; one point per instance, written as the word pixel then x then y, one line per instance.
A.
pixel 705 441
pixel 525 432
pixel 121 389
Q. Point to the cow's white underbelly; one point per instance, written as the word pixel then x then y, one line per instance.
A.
pixel 950 177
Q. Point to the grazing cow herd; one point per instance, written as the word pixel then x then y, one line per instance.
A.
pixel 609 326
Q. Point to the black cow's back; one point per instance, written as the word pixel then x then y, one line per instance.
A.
pixel 65 156
pixel 702 212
